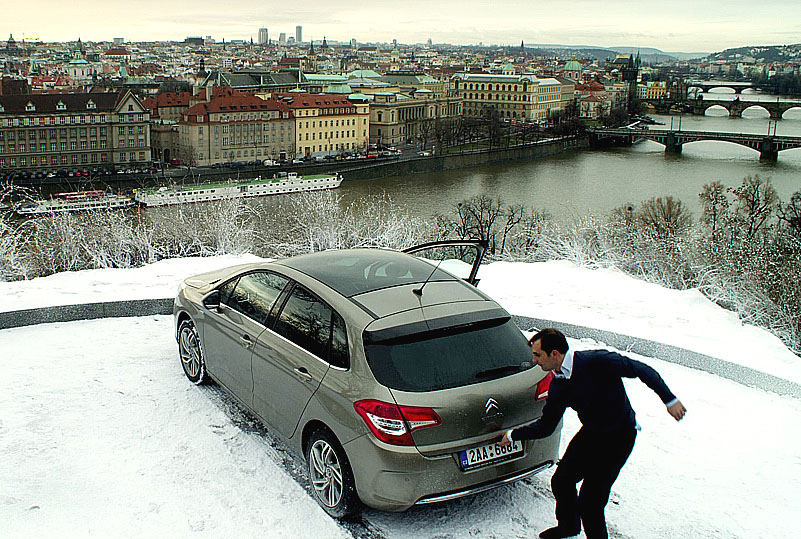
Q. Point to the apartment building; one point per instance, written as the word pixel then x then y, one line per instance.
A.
pixel 47 133
pixel 523 97
pixel 235 128
pixel 327 123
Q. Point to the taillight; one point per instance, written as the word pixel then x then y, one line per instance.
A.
pixel 394 424
pixel 542 387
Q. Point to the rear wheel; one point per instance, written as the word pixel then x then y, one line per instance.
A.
pixel 191 353
pixel 331 475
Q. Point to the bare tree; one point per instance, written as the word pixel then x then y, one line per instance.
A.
pixel 665 216
pixel 426 130
pixel 715 206
pixel 790 214
pixel 756 202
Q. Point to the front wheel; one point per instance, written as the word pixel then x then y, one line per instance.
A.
pixel 191 353
pixel 331 476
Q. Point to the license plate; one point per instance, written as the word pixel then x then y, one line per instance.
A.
pixel 486 455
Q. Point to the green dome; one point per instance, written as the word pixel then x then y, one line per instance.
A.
pixel 572 65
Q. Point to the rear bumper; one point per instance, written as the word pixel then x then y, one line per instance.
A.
pixel 434 498
pixel 394 479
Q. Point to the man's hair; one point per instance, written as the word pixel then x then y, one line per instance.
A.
pixel 550 339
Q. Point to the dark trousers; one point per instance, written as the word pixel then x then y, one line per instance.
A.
pixel 597 459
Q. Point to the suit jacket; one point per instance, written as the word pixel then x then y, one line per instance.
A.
pixel 595 391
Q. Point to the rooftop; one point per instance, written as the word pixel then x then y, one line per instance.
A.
pixel 357 271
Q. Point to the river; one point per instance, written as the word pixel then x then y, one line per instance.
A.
pixel 596 181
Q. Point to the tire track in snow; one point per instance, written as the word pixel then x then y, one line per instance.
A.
pixel 358 527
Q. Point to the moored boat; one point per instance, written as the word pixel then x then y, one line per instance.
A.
pixel 77 201
pixel 205 192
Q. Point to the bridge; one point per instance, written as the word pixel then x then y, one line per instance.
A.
pixel 768 146
pixel 736 106
pixel 707 85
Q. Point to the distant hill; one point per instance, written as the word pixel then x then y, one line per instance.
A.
pixel 660 55
pixel 648 55
pixel 767 53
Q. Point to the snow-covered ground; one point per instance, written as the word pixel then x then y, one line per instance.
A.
pixel 558 290
pixel 101 434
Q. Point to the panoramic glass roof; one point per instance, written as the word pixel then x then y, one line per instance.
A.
pixel 355 271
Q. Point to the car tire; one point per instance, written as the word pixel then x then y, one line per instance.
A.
pixel 190 352
pixel 331 476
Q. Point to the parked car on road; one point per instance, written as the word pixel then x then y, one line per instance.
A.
pixel 394 378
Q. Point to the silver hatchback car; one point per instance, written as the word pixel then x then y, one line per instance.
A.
pixel 391 376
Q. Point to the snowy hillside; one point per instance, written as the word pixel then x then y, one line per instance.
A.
pixel 101 435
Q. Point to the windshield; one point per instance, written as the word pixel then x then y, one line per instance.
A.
pixel 450 358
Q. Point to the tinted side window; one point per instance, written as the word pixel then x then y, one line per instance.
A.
pixel 306 321
pixel 255 294
pixel 339 343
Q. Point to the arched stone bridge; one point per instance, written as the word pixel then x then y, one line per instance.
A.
pixel 707 85
pixel 768 146
pixel 737 106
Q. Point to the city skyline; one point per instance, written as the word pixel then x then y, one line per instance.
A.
pixel 684 27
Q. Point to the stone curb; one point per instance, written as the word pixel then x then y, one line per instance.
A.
pixel 687 358
pixel 87 311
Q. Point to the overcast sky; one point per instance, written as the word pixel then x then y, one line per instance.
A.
pixel 676 26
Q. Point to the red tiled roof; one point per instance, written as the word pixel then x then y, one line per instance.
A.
pixel 117 51
pixel 235 103
pixel 167 99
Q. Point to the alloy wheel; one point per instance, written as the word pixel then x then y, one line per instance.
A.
pixel 326 473
pixel 190 351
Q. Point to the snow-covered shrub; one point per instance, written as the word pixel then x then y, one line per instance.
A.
pixel 55 243
pixel 13 260
pixel 211 228
pixel 318 220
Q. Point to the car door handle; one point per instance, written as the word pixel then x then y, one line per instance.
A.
pixel 303 374
pixel 246 341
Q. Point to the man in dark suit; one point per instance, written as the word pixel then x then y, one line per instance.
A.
pixel 591 383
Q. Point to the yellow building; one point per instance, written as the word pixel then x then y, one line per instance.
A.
pixel 652 90
pixel 512 96
pixel 326 124
pixel 524 97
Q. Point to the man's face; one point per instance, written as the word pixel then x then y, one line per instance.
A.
pixel 548 362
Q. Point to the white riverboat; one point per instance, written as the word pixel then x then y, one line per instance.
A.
pixel 78 201
pixel 204 192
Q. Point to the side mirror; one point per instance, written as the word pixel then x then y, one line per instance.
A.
pixel 212 301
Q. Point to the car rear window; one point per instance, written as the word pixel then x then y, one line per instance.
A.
pixel 451 357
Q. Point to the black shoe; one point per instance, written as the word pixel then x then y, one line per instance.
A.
pixel 560 532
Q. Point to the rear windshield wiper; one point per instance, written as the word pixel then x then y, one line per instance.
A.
pixel 500 371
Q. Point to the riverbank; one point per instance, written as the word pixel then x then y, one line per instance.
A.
pixel 350 169
pixel 465 159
